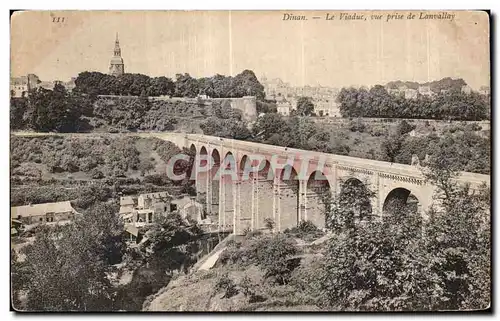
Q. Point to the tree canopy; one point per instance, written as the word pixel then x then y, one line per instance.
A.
pixel 184 85
pixel 377 102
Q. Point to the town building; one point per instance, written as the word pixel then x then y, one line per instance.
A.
pixel 278 90
pixel 132 233
pixel 484 90
pixel 127 205
pixel 116 65
pixel 425 91
pixel 20 86
pixel 466 89
pixel 43 213
pixel 188 207
pixel 284 108
pixel 326 108
pixel 411 93
pixel 394 92
pixel 149 208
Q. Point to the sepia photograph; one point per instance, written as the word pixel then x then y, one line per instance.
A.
pixel 250 161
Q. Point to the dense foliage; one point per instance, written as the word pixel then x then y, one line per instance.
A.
pixel 305 106
pixel 465 150
pixel 377 102
pixel 435 86
pixel 50 110
pixel 66 268
pixel 273 254
pixel 218 86
pixel 71 267
pixel 295 132
pixel 91 169
pixel 404 263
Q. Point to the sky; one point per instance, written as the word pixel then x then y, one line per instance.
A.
pixel 334 53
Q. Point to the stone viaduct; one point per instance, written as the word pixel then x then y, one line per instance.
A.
pixel 245 202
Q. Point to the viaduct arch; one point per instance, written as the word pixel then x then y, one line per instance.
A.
pixel 241 204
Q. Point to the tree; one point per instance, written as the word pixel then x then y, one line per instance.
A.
pixel 67 267
pixel 459 239
pixel 53 110
pixel 247 84
pixel 389 265
pixel 186 86
pixel 268 125
pixel 18 107
pixel 305 106
pixel 391 147
pixel 228 128
pixel 93 83
pixel 376 267
pixel 404 127
pixel 451 104
pixel 160 86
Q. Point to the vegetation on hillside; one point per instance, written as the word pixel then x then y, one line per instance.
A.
pixel 75 267
pixel 57 168
pixel 377 102
pixel 405 262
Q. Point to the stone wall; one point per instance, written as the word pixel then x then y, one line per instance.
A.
pixel 247 105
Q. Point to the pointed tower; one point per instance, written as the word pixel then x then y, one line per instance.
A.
pixel 116 66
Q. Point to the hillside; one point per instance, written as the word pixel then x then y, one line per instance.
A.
pixel 249 277
pixel 55 168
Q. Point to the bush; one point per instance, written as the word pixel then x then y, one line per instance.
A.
pixel 247 286
pixel 305 230
pixel 357 126
pixel 96 174
pixel 274 258
pixel 404 127
pixel 225 284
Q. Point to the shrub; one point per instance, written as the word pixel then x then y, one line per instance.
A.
pixel 305 230
pixel 404 127
pixel 246 286
pixel 378 131
pixel 225 284
pixel 247 230
pixel 473 127
pixel 96 174
pixel 274 258
pixel 357 126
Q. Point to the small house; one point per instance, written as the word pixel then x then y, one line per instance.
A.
pixel 43 213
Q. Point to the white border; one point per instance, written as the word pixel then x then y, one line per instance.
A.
pixel 190 5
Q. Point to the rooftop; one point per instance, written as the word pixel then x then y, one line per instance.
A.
pixel 40 209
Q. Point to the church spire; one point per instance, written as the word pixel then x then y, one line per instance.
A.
pixel 118 51
pixel 116 66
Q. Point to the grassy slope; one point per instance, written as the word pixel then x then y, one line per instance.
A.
pixel 195 291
